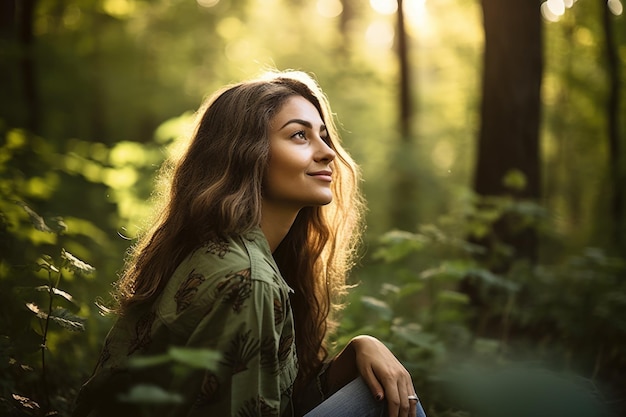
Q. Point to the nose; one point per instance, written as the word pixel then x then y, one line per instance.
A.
pixel 324 151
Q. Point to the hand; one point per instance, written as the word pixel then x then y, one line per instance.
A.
pixel 384 375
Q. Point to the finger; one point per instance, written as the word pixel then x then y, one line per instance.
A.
pixel 372 382
pixel 405 404
pixel 393 402
pixel 393 396
pixel 412 402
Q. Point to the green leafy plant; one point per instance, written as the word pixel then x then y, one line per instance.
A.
pixel 181 359
pixel 566 318
pixel 50 305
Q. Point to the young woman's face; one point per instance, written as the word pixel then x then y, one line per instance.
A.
pixel 299 173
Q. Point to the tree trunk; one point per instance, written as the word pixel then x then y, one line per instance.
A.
pixel 25 16
pixel 346 17
pixel 510 112
pixel 344 47
pixel 405 105
pixel 21 107
pixel 7 19
pixel 612 111
pixel 404 181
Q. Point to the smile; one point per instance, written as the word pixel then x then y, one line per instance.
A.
pixel 322 175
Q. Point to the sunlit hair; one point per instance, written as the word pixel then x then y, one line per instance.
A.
pixel 216 189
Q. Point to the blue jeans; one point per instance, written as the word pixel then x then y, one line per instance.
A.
pixel 354 400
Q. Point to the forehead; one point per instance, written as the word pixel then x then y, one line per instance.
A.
pixel 297 108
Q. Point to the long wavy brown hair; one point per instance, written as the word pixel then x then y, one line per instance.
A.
pixel 216 189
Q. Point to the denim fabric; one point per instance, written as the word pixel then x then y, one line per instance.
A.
pixel 354 400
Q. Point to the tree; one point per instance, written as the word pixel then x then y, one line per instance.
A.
pixel 612 110
pixel 508 141
pixel 404 186
pixel 16 27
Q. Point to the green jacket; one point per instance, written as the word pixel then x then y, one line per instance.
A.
pixel 227 296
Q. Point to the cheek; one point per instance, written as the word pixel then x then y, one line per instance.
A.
pixel 284 162
pixel 276 177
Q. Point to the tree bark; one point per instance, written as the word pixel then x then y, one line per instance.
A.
pixel 613 133
pixel 510 110
pixel 404 183
pixel 405 104
pixel 7 19
pixel 25 10
pixel 18 72
pixel 344 46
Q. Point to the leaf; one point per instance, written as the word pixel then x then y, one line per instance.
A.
pixel 412 333
pixel 46 262
pixel 397 244
pixel 67 319
pixel 490 278
pixel 447 271
pixel 61 316
pixel 35 309
pixel 148 361
pixel 150 394
pixel 379 306
pixel 58 225
pixel 455 271
pixel 515 180
pixel 471 248
pixel 76 265
pixel 37 221
pixel 388 288
pixel 26 402
pixel 412 288
pixel 193 357
pixel 55 291
pixel 452 297
pixel 196 358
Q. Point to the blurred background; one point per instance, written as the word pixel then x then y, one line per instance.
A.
pixel 491 137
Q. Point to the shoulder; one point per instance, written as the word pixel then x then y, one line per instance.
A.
pixel 216 256
pixel 223 257
pixel 204 269
pixel 216 272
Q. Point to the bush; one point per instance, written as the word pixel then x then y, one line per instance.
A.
pixel 567 319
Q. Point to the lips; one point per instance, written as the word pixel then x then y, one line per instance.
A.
pixel 324 175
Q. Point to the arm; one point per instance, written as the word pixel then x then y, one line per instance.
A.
pixel 242 326
pixel 367 357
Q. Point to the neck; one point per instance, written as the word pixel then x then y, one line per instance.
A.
pixel 276 222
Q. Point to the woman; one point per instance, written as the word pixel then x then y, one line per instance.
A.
pixel 249 258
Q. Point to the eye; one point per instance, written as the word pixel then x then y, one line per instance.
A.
pixel 299 135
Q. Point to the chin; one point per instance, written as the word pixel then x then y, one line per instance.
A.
pixel 325 202
pixel 320 202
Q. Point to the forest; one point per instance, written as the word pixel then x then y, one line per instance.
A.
pixel 491 136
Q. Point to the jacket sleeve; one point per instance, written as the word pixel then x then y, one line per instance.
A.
pixel 243 325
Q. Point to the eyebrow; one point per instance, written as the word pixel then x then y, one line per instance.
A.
pixel 303 123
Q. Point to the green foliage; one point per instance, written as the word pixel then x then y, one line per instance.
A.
pixel 150 395
pixel 36 334
pixel 180 359
pixel 195 358
pixel 78 138
pixel 470 352
pixel 46 289
pixel 523 390
pixel 50 299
